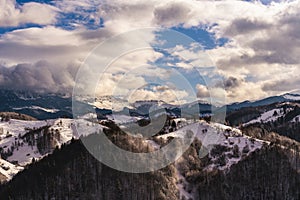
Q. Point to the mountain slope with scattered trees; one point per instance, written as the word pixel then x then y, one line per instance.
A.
pixel 72 173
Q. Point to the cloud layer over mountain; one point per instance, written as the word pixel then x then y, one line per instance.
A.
pixel 42 46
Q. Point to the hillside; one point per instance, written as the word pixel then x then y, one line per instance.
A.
pixel 5 116
pixel 72 173
pixel 222 162
pixel 282 118
pixel 236 167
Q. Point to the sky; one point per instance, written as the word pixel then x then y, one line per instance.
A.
pixel 171 50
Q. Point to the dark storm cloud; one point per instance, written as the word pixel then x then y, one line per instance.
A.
pixel 230 83
pixel 40 77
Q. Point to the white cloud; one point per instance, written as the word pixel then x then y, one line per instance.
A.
pixel 190 57
pixel 169 96
pixel 13 14
pixel 202 91
pixel 49 43
pixel 263 45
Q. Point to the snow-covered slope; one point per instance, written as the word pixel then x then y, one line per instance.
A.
pixel 8 170
pixel 123 119
pixel 22 141
pixel 214 134
pixel 20 148
pixel 270 115
pixel 10 135
pixel 223 145
pixel 295 97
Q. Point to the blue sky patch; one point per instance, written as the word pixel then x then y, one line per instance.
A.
pixel 21 2
pixel 205 38
pixel 38 1
pixel 69 21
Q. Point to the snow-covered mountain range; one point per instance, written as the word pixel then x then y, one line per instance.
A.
pixel 25 141
pixel 53 106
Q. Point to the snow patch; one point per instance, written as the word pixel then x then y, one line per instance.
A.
pixel 181 185
pixel 38 108
pixel 123 119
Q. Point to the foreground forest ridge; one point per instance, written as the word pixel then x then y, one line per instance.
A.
pixel 72 173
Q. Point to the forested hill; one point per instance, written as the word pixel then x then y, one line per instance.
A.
pixel 72 173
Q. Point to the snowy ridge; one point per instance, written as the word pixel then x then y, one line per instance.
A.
pixel 267 116
pixel 295 97
pixel 123 119
pixel 218 134
pixel 10 133
pixel 20 152
pixel 13 132
pixel 213 136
